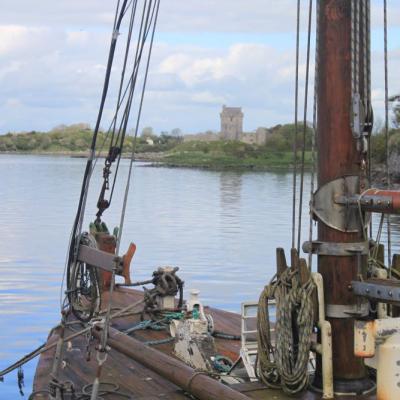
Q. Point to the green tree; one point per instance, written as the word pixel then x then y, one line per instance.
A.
pixel 176 132
pixel 395 100
pixel 147 132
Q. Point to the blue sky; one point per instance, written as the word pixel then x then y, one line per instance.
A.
pixel 207 53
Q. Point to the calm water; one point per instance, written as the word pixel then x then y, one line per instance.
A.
pixel 220 228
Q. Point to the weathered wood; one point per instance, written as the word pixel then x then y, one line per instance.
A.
pixel 198 384
pixel 337 156
pixel 134 378
pixel 126 260
pixel 108 244
pixel 381 253
pixel 304 272
pixel 281 264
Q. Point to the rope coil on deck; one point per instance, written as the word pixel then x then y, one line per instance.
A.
pixel 285 364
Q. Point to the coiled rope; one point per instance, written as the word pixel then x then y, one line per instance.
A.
pixel 285 364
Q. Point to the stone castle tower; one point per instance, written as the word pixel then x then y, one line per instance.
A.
pixel 231 123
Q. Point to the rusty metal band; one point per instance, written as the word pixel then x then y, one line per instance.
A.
pixel 343 311
pixel 336 249
pixel 384 293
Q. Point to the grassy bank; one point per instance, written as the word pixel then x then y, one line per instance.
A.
pixel 228 155
pixel 173 151
pixel 164 149
pixel 75 140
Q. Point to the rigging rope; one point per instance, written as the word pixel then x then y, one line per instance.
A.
pixel 296 107
pixel 304 125
pixel 77 225
pixel 45 347
pixel 115 152
pixel 128 182
pixel 388 180
pixel 148 19
pixel 314 132
pixel 285 363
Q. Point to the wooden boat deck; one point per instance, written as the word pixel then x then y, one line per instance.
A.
pixel 133 378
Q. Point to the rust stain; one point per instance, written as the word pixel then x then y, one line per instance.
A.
pixel 383 396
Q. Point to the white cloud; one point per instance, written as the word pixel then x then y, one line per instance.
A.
pixel 78 38
pixel 15 39
pixel 208 98
pixel 53 55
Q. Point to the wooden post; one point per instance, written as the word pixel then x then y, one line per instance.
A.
pixel 106 243
pixel 197 383
pixel 337 156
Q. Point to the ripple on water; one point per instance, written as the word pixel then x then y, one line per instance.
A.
pixel 220 228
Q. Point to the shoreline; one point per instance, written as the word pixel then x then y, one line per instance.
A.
pixel 158 160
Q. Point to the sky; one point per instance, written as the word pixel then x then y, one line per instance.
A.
pixel 206 53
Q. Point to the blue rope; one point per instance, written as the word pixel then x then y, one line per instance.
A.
pixel 222 364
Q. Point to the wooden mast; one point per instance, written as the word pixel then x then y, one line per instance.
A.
pixel 338 156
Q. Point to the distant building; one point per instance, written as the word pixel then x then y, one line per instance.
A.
pixel 231 123
pixel 259 137
pixel 208 136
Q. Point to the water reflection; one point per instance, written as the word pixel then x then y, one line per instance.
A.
pixel 395 232
pixel 221 228
pixel 230 189
pixel 230 185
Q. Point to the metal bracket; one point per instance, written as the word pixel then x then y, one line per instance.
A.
pixel 100 259
pixel 382 290
pixel 344 217
pixel 357 121
pixel 336 249
pixel 347 311
pixel 377 203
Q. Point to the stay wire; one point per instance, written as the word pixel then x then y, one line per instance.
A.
pixel 315 108
pixel 76 228
pixel 109 159
pixel 296 106
pixel 127 49
pixel 128 182
pixel 108 314
pixel 131 88
pixel 368 30
pixel 127 111
pixel 132 85
pixel 142 36
pixel 304 124
pixel 116 14
pixel 148 25
pixel 388 180
pixel 113 119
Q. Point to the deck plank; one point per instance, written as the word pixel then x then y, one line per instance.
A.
pixel 132 377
